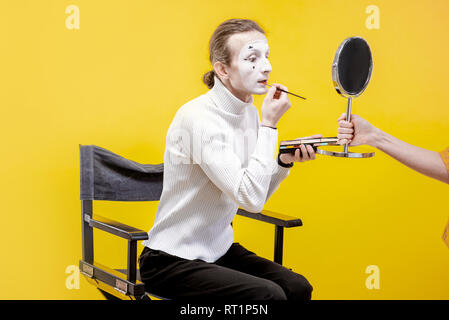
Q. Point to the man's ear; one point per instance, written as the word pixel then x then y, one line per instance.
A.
pixel 221 70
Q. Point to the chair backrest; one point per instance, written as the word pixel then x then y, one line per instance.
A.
pixel 108 176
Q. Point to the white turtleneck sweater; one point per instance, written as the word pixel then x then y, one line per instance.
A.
pixel 217 158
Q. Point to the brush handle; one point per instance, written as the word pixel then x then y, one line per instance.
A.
pixel 287 92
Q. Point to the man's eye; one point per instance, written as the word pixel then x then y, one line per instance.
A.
pixel 252 59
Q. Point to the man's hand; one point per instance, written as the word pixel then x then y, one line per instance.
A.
pixel 275 104
pixel 307 153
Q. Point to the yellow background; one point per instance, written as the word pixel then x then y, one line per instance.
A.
pixel 118 81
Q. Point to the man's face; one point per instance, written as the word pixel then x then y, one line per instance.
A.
pixel 250 67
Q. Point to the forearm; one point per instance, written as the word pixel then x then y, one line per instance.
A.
pixel 279 174
pixel 422 160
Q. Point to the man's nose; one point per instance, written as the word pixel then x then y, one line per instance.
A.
pixel 266 68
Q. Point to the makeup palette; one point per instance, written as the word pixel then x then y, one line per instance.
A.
pixel 290 146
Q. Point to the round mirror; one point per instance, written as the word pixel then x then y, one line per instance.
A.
pixel 351 72
pixel 352 67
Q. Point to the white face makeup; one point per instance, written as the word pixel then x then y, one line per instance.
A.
pixel 254 66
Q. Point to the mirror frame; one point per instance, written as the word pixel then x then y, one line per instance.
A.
pixel 335 78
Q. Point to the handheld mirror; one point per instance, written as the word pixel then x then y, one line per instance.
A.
pixel 351 72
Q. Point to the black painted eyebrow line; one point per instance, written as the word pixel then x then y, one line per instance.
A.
pixel 255 50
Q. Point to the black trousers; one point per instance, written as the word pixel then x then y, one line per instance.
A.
pixel 239 275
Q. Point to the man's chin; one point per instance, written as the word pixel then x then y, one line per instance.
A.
pixel 261 90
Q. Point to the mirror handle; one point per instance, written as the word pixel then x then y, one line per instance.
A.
pixel 348 118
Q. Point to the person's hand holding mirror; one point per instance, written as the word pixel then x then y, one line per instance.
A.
pixel 355 133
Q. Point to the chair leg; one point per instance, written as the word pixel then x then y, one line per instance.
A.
pixel 278 244
pixel 132 258
pixel 87 231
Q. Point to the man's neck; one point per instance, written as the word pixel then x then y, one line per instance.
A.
pixel 245 97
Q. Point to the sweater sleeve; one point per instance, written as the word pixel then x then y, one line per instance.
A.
pixel 248 187
pixel 278 173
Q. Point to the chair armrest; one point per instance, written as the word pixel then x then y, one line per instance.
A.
pixel 116 228
pixel 278 219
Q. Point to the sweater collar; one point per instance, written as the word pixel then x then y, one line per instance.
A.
pixel 225 100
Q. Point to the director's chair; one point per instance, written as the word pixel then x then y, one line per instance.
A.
pixel 108 176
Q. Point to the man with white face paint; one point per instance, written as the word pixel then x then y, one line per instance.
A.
pixel 254 65
pixel 190 252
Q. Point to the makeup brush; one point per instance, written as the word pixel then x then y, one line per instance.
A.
pixel 287 92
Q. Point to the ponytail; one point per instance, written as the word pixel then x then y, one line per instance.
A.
pixel 208 79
